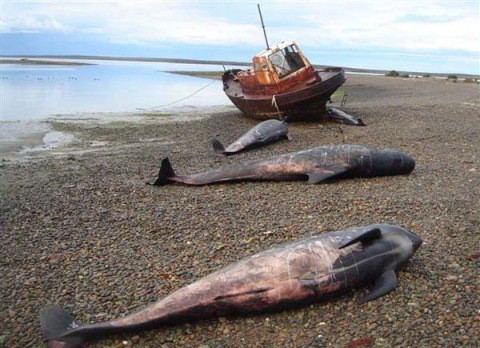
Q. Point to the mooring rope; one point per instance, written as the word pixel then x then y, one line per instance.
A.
pixel 274 104
pixel 179 100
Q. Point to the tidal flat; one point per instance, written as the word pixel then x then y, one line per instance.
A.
pixel 27 61
pixel 81 229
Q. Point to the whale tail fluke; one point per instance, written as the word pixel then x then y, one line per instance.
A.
pixel 55 322
pixel 166 173
pixel 218 147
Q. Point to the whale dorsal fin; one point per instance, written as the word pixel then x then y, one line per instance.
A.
pixel 365 236
pixel 384 284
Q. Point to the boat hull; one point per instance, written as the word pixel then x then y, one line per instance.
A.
pixel 304 102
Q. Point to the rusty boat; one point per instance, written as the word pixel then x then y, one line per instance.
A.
pixel 283 84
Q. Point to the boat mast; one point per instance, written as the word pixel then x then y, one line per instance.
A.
pixel 263 26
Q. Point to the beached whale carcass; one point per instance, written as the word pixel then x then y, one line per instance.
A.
pixel 287 275
pixel 314 165
pixel 262 134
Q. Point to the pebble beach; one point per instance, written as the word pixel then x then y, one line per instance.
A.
pixel 81 229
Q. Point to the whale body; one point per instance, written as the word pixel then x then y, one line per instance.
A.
pixel 264 133
pixel 342 117
pixel 296 273
pixel 314 165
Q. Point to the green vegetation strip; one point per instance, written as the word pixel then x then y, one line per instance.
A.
pixel 208 74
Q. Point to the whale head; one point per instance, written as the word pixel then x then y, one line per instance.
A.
pixel 403 242
pixel 391 162
pixel 414 239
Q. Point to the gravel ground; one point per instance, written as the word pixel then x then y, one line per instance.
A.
pixel 82 229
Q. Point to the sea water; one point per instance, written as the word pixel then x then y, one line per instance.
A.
pixel 31 92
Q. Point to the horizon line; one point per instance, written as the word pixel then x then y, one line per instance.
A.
pixel 222 63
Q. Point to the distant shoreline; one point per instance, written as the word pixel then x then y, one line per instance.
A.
pixel 216 75
pixel 26 61
pixel 226 64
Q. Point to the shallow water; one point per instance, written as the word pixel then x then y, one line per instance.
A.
pixel 104 92
pixel 34 91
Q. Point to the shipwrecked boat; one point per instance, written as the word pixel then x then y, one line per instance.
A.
pixel 283 84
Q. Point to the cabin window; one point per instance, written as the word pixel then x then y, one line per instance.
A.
pixel 286 61
pixel 260 66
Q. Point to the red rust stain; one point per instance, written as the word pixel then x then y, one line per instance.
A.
pixel 362 342
pixel 250 84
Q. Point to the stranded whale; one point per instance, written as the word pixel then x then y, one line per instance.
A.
pixel 262 134
pixel 300 272
pixel 314 165
pixel 342 117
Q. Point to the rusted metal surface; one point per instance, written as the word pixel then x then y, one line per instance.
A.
pixel 282 84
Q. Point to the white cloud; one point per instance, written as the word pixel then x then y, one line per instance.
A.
pixel 408 25
pixel 175 23
pixel 28 22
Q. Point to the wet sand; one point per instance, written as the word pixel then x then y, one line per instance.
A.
pixel 81 229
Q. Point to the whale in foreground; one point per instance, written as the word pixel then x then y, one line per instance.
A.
pixel 287 275
pixel 314 165
pixel 264 133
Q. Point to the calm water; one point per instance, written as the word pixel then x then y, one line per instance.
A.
pixel 36 92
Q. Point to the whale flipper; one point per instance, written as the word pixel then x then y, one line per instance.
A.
pixel 325 172
pixel 315 178
pixel 366 236
pixel 384 284
pixel 55 322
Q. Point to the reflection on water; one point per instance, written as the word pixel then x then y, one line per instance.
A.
pixel 35 92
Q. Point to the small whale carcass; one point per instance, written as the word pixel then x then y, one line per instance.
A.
pixel 314 165
pixel 287 275
pixel 342 117
pixel 264 133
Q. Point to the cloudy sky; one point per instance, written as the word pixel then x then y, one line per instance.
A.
pixel 421 35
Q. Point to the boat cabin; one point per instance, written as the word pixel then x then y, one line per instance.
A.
pixel 276 70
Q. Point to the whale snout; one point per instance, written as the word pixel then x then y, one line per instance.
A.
pixel 408 163
pixel 416 240
pixel 393 162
